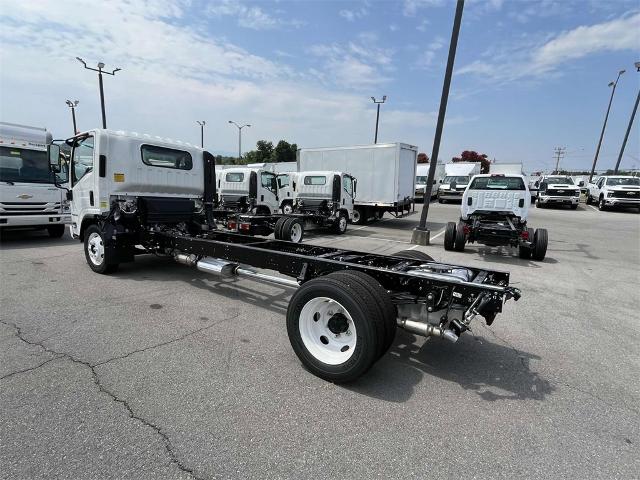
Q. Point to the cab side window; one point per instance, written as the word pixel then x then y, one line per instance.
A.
pixel 347 184
pixel 265 179
pixel 82 158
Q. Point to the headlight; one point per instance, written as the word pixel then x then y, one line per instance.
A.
pixel 610 194
pixel 66 206
pixel 576 193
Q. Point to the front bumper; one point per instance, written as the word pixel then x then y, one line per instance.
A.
pixel 622 202
pixel 561 200
pixel 34 221
pixel 450 194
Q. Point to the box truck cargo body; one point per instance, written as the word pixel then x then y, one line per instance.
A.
pixel 506 169
pixel 385 175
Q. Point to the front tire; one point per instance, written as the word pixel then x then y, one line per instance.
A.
pixel 340 225
pixel 449 236
pixel 359 217
pixel 56 231
pixel 335 327
pixel 415 255
pixel 98 257
pixel 293 230
pixel 287 209
pixel 602 206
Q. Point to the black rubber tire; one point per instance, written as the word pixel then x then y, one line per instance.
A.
pixel 359 216
pixel 449 235
pixel 387 308
pixel 440 200
pixel 574 207
pixel 366 316
pixel 540 241
pixel 588 199
pixel 286 229
pixel 460 240
pixel 601 205
pixel 415 255
pixel 107 265
pixel 336 225
pixel 285 205
pixel 538 204
pixel 56 231
pixel 277 229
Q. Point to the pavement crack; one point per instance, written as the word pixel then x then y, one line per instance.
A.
pixel 96 379
pixel 25 370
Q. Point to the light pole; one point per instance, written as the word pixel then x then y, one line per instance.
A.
pixel 72 106
pixel 240 127
pixel 626 135
pixel 421 234
pixel 604 125
pixel 100 72
pixel 378 103
pixel 202 124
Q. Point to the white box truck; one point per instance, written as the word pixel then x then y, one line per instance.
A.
pixel 506 169
pixel 422 173
pixel 385 175
pixel 456 179
pixel 28 197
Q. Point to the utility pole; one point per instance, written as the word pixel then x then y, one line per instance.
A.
pixel 559 151
pixel 100 72
pixel 626 135
pixel 378 103
pixel 202 124
pixel 604 125
pixel 240 127
pixel 421 234
pixel 72 106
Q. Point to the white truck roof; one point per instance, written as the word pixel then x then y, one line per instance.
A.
pixel 455 169
pixel 24 136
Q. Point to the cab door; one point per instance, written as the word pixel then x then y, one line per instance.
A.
pixel 268 194
pixel 83 180
pixel 348 193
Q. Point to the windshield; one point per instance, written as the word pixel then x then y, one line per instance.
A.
pixel 421 179
pixel 623 181
pixel 28 166
pixel 559 181
pixel 497 183
pixel 460 179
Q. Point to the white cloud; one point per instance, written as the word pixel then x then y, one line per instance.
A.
pixel 422 26
pixel 411 7
pixel 533 59
pixel 425 59
pixel 248 17
pixel 174 74
pixel 352 15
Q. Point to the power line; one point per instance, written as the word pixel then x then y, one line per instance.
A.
pixel 560 152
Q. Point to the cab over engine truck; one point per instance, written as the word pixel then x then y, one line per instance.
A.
pixel 143 195
pixel 494 212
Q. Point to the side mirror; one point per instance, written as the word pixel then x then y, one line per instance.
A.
pixel 440 181
pixel 581 183
pixel 53 151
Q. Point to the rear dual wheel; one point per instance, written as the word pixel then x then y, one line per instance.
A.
pixel 290 229
pixel 340 324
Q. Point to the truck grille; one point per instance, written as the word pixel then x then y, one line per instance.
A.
pixel 561 192
pixel 627 194
pixel 29 208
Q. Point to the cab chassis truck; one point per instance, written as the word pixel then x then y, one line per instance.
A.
pixel 343 314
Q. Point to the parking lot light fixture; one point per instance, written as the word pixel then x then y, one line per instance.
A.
pixel 202 124
pixel 240 127
pixel 604 125
pixel 72 105
pixel 378 103
pixel 100 72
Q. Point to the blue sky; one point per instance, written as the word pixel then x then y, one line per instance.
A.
pixel 529 76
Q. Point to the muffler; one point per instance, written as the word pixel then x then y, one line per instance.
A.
pixel 225 268
pixel 427 330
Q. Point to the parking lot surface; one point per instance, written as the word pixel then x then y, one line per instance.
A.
pixel 161 371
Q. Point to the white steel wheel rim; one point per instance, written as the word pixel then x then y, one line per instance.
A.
pixel 95 248
pixel 321 342
pixel 356 216
pixel 342 224
pixel 296 232
pixel 287 208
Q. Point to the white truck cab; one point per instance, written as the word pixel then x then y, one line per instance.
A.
pixel 248 190
pixel 456 180
pixel 326 193
pixel 615 191
pixel 285 191
pixel 28 196
pixel 557 190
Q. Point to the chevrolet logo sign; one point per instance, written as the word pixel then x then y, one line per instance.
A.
pixel 560 191
pixel 630 193
pixel 24 196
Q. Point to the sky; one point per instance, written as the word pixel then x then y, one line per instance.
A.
pixel 529 76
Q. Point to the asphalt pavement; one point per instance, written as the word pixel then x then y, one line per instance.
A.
pixel 161 371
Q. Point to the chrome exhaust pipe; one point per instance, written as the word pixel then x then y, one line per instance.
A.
pixel 427 330
pixel 225 268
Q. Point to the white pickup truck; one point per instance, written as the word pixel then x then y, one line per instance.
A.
pixel 494 212
pixel 615 191
pixel 557 190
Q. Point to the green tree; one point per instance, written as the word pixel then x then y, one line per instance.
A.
pixel 284 152
pixel 264 151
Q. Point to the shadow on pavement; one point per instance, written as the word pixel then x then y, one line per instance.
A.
pixel 493 371
pixel 19 239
